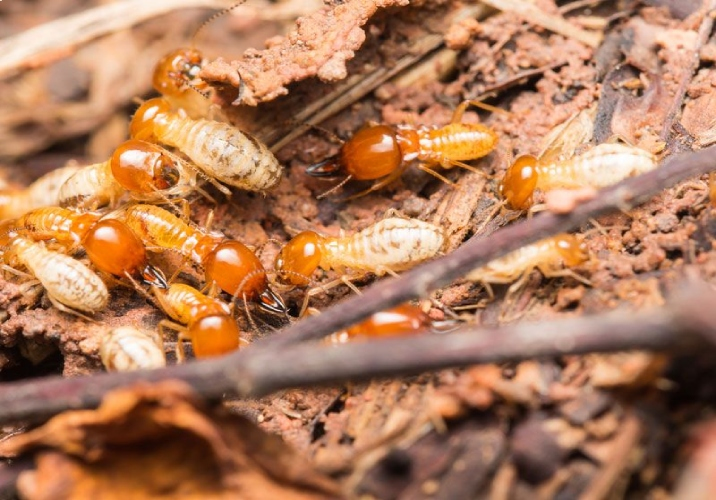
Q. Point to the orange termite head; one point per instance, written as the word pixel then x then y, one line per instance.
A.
pixel 237 271
pixel 299 258
pixel 519 182
pixel 572 249
pixel 405 319
pixel 214 335
pixel 153 112
pixel 373 152
pixel 144 167
pixel 176 70
pixel 115 249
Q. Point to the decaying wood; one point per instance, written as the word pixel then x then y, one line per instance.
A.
pixel 337 30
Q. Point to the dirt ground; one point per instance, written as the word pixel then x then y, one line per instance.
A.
pixel 594 426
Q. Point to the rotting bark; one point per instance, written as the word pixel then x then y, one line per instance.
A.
pixel 263 75
pixel 253 372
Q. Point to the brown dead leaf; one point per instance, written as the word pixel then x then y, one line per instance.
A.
pixel 319 46
pixel 152 441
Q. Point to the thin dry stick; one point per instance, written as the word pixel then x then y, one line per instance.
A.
pixel 250 374
pixel 536 16
pixel 278 363
pixel 53 40
pixel 704 35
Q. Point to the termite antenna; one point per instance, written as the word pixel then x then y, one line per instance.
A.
pixel 205 95
pixel 213 18
pixel 334 188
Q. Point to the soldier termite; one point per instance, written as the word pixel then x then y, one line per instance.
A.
pixel 220 150
pixel 126 348
pixel 176 78
pixel 391 245
pixel 205 321
pixel 601 166
pixel 71 286
pixel 553 256
pixel 405 319
pixel 41 193
pixel 110 244
pixel 231 265
pixel 382 152
pixel 146 171
pixel 176 75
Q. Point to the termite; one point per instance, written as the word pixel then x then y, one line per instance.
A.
pixel 553 257
pixel 405 319
pixel 601 166
pixel 71 286
pixel 110 244
pixel 176 75
pixel 220 150
pixel 176 78
pixel 146 171
pixel 381 152
pixel 127 348
pixel 230 264
pixel 41 193
pixel 205 321
pixel 391 245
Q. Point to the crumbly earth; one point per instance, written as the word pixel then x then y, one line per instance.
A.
pixel 559 428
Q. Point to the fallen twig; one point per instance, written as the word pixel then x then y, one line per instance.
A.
pixel 249 374
pixel 278 363
pixel 558 24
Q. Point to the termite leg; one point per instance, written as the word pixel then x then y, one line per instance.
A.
pixel 334 188
pixel 21 274
pixel 462 107
pixel 69 310
pixel 381 270
pixel 182 337
pixel 381 183
pixel 166 324
pixel 112 280
pixel 347 281
pixel 498 207
pixel 519 284
pixel 332 136
pixel 490 292
pixel 565 273
pixel 432 172
pixel 455 163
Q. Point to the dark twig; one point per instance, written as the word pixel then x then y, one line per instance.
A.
pixel 278 362
pixel 476 252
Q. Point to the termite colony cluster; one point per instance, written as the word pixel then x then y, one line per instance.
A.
pixel 115 211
